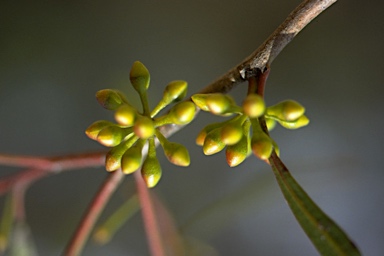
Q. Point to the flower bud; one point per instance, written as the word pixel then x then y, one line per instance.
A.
pixel 302 121
pixel 237 153
pixel 183 113
pixel 203 133
pixel 270 123
pixel 109 99
pixel 112 135
pixel 261 145
pixel 201 101
pixel 94 129
pixel 231 133
pixel 218 103
pixel 144 127
pixel 213 143
pixel 139 77
pixel 151 171
pixel 112 160
pixel 253 105
pixel 288 110
pixel 125 115
pixel 131 160
pixel 175 90
pixel 176 153
pixel 113 157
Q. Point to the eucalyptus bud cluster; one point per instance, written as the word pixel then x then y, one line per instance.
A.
pixel 134 129
pixel 242 134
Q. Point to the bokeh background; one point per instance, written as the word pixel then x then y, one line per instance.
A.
pixel 54 56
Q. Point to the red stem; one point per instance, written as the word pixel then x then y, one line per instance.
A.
pixel 262 80
pixel 92 214
pixel 41 167
pixel 150 220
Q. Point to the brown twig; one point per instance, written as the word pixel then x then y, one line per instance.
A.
pixel 268 51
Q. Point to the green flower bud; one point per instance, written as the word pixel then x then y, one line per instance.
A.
pixel 182 113
pixel 94 129
pixel 203 133
pixel 288 110
pixel 139 77
pixel 144 127
pixel 112 135
pixel 109 99
pixel 151 171
pixel 201 101
pixel 271 123
pixel 253 105
pixel 261 145
pixel 213 143
pixel 231 133
pixel 176 153
pixel 125 115
pixel 302 121
pixel 175 90
pixel 237 153
pixel 201 137
pixel 113 157
pixel 131 160
pixel 219 103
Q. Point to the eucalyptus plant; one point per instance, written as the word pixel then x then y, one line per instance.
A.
pixel 133 137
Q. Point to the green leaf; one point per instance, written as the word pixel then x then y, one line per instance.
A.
pixel 324 233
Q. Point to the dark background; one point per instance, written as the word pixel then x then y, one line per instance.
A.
pixel 54 56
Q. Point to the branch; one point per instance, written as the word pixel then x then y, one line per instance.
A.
pixel 41 167
pixel 54 164
pixel 268 51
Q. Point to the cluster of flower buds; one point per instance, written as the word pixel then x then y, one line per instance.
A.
pixel 135 129
pixel 242 134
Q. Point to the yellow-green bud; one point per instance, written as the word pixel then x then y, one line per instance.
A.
pixel 112 135
pixel 183 113
pixel 288 110
pixel 203 133
pixel 112 161
pixel 144 127
pixel 218 103
pixel 270 123
pixel 201 137
pixel 177 154
pixel 139 77
pixel 302 121
pixel 253 105
pixel 175 90
pixel 201 101
pixel 213 143
pixel 151 171
pixel 131 159
pixel 109 99
pixel 237 153
pixel 125 115
pixel 231 133
pixel 94 129
pixel 261 145
pixel 113 157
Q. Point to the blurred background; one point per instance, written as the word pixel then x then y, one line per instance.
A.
pixel 55 55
